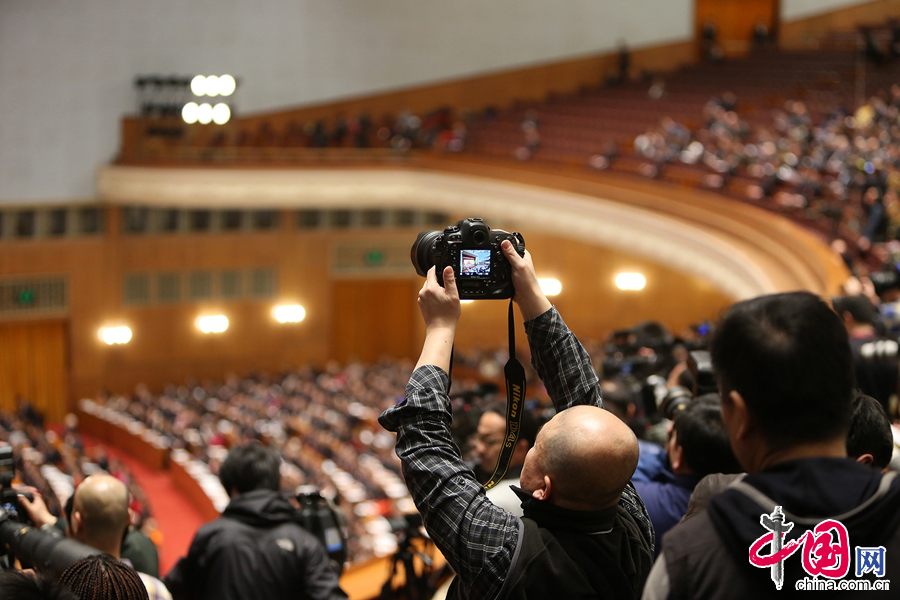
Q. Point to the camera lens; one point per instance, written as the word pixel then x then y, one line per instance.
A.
pixel 422 252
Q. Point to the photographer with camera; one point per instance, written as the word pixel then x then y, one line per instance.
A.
pixel 585 532
pixel 257 548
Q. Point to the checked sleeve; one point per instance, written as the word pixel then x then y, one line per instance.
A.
pixel 476 537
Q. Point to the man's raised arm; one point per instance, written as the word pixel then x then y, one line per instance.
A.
pixel 476 537
pixel 559 358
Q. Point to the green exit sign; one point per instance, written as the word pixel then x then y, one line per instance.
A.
pixel 374 257
pixel 26 297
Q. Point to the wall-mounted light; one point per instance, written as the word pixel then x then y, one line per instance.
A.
pixel 212 323
pixel 221 113
pixel 213 85
pixel 289 313
pixel 550 287
pixel 205 113
pixel 115 335
pixel 630 281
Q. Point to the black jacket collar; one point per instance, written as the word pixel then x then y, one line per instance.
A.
pixel 553 517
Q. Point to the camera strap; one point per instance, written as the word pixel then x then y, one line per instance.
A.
pixel 515 393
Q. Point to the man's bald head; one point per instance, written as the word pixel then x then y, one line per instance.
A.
pixel 100 511
pixel 588 455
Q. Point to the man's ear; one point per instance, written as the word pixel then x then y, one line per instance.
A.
pixel 676 456
pixel 76 523
pixel 543 492
pixel 866 459
pixel 743 419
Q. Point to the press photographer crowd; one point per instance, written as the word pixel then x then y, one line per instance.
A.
pixel 636 467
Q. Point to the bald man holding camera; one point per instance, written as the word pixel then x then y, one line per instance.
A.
pixel 585 532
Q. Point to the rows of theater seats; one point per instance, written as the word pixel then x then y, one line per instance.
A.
pixel 55 460
pixel 573 128
pixel 788 131
pixel 323 423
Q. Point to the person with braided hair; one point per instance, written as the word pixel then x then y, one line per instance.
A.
pixel 102 577
pixel 21 585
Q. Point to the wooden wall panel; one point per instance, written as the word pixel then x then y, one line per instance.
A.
pixel 735 20
pixel 33 365
pixel 345 318
pixel 374 319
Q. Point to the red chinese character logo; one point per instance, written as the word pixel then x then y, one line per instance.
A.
pixel 823 554
pixel 826 548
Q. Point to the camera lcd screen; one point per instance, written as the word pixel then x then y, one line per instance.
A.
pixel 474 263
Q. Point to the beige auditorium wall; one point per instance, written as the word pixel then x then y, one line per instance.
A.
pixel 68 67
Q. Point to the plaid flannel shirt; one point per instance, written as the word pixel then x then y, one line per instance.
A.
pixel 477 538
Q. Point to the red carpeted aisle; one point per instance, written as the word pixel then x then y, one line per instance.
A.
pixel 177 518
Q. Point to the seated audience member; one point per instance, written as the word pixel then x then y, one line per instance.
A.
pixel 619 400
pixel 488 444
pixel 785 371
pixel 585 532
pixel 870 440
pixel 16 585
pixel 875 358
pixel 698 446
pixel 255 549
pixel 102 577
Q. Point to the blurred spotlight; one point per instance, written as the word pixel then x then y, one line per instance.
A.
pixel 227 85
pixel 221 113
pixel 466 301
pixel 190 112
pixel 205 113
pixel 212 86
pixel 212 323
pixel 630 281
pixel 115 335
pixel 289 313
pixel 550 287
pixel 198 85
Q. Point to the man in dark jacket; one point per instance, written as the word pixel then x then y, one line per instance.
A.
pixel 785 372
pixel 255 549
pixel 585 532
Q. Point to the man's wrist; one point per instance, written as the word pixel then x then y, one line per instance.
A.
pixel 532 304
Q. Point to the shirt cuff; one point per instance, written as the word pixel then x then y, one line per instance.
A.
pixel 426 392
pixel 542 328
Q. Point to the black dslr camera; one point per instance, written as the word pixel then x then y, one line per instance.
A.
pixel 473 250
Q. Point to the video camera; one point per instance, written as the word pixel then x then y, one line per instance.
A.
pixel 473 250
pixel 325 520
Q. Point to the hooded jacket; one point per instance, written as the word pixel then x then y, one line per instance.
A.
pixel 707 556
pixel 255 549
